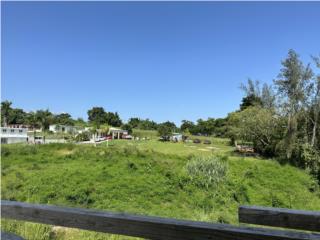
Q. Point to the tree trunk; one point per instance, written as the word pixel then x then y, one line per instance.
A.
pixel 314 130
pixel 4 121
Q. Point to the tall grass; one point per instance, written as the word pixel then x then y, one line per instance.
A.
pixel 207 171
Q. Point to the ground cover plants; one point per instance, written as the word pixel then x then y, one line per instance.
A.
pixel 148 177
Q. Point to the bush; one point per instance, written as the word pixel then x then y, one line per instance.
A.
pixel 207 171
pixel 85 136
pixel 310 158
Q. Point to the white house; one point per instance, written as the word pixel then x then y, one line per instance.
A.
pixel 13 135
pixel 58 128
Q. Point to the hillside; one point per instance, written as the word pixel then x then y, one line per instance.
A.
pixel 145 177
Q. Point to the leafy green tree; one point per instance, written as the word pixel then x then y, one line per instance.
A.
pixel 17 116
pixel 97 116
pixel 258 125
pixel 63 119
pixel 113 119
pixel 166 129
pixel 187 126
pixel 80 122
pixel 315 102
pixel 255 96
pixel 268 97
pixel 250 101
pixel 148 125
pixel 291 85
pixel 134 122
pixel 221 127
pixel 252 94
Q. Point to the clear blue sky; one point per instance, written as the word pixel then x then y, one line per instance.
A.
pixel 164 60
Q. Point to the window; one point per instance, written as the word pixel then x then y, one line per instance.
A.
pixel 4 130
pixel 12 130
pixel 20 131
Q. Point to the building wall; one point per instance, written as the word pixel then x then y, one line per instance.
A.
pixel 13 135
pixel 11 140
pixel 62 128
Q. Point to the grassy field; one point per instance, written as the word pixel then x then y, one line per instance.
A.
pixel 145 177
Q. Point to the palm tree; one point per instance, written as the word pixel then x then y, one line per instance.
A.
pixel 93 131
pixel 44 118
pixel 33 122
pixel 5 111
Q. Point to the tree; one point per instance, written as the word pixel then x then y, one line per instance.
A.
pixel 187 126
pixel 33 121
pixel 44 118
pixel 291 85
pixel 315 102
pixel 205 127
pixel 97 116
pixel 63 119
pixel 258 125
pixel 17 116
pixel 80 122
pixel 127 127
pixel 221 127
pixel 268 97
pixel 252 94
pixel 5 112
pixel 166 129
pixel 113 119
pixel 134 122
pixel 252 88
pixel 148 125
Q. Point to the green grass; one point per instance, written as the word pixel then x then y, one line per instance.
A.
pixel 145 133
pixel 145 177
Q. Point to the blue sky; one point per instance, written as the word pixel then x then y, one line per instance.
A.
pixel 157 60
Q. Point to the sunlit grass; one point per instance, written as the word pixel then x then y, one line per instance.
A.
pixel 145 177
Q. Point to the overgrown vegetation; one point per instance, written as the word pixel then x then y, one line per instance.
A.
pixel 148 177
pixel 283 124
pixel 207 171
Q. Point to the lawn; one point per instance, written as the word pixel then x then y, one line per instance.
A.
pixel 145 177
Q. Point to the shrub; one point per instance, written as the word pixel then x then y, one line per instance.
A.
pixel 207 171
pixel 310 158
pixel 85 136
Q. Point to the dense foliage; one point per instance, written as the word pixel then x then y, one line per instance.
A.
pixel 284 124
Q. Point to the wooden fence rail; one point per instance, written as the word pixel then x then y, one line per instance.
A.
pixel 141 226
pixel 280 217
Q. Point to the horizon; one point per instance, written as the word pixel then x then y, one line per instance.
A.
pixel 157 60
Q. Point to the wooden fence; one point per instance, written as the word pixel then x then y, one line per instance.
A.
pixel 280 217
pixel 168 228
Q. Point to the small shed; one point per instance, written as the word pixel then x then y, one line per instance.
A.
pixel 118 133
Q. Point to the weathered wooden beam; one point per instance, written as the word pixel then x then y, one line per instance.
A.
pixel 280 217
pixel 141 226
